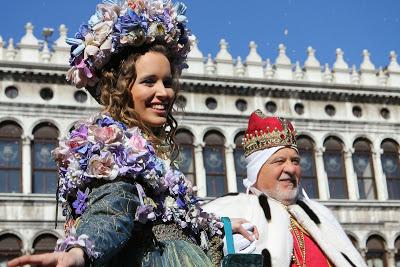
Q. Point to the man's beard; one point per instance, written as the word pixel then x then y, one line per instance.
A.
pixel 285 196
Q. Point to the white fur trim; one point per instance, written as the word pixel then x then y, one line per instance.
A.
pixel 275 235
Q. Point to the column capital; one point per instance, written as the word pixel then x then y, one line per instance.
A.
pixel 27 139
pixel 348 151
pixel 199 144
pixel 230 147
pixel 363 252
pixel 391 252
pixel 198 147
pixel 27 251
pixel 377 151
pixel 319 151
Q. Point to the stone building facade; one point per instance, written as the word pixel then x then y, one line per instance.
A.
pixel 347 119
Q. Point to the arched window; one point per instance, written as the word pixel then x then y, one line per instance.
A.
pixel 362 161
pixel 10 158
pixel 307 163
pixel 335 169
pixel 397 247
pixel 44 243
pixel 44 167
pixel 184 139
pixel 240 162
pixel 214 163
pixel 10 247
pixel 390 166
pixel 376 253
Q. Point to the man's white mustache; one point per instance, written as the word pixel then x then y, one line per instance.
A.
pixel 291 178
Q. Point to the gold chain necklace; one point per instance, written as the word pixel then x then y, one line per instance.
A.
pixel 300 241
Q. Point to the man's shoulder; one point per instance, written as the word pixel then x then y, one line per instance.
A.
pixel 319 208
pixel 230 202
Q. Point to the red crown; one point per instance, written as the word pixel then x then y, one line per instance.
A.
pixel 266 132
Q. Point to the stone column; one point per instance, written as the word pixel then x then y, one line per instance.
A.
pixel 380 179
pixel 322 178
pixel 352 185
pixel 201 182
pixel 26 164
pixel 363 252
pixel 391 254
pixel 230 168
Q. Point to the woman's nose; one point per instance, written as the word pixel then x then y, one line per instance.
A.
pixel 161 90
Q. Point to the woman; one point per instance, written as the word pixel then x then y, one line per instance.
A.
pixel 124 203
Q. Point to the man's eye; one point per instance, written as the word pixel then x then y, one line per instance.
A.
pixel 296 161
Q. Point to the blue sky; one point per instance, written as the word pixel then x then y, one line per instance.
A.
pixel 325 25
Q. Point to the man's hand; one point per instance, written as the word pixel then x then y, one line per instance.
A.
pixel 244 237
pixel 72 258
pixel 245 228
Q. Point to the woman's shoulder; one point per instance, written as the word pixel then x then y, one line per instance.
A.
pixel 101 152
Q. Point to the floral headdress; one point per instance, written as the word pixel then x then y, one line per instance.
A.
pixel 122 23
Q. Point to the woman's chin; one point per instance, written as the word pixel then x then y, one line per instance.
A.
pixel 155 122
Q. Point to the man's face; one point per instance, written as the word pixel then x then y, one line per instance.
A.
pixel 279 177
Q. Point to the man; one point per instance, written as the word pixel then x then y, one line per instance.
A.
pixel 293 230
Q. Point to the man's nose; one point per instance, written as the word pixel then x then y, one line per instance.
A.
pixel 290 167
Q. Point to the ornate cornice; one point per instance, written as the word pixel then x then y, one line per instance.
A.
pixel 290 89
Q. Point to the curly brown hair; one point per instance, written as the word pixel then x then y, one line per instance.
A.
pixel 116 79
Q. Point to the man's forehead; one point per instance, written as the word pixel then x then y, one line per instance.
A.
pixel 286 151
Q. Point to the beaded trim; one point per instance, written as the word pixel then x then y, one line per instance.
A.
pixel 269 138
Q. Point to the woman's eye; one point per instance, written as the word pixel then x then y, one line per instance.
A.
pixel 168 84
pixel 149 81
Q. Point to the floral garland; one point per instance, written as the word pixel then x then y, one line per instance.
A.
pixel 121 23
pixel 103 148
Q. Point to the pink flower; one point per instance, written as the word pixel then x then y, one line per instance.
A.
pixel 61 153
pixel 80 74
pixel 76 142
pixel 77 77
pixel 102 167
pixel 108 134
pixel 102 30
pixel 137 143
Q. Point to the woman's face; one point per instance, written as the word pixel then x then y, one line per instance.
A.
pixel 152 91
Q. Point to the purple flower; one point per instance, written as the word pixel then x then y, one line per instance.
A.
pixel 80 203
pixel 83 30
pixel 181 203
pixel 182 190
pixel 171 178
pixel 81 131
pixel 127 23
pixel 144 213
pixel 105 121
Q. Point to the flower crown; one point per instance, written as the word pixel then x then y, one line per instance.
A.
pixel 125 23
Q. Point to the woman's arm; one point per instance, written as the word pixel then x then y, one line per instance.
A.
pixel 109 218
pixel 73 258
pixel 107 221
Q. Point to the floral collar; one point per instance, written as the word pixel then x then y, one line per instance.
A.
pixel 102 148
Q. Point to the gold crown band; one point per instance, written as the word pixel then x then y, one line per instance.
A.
pixel 262 140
